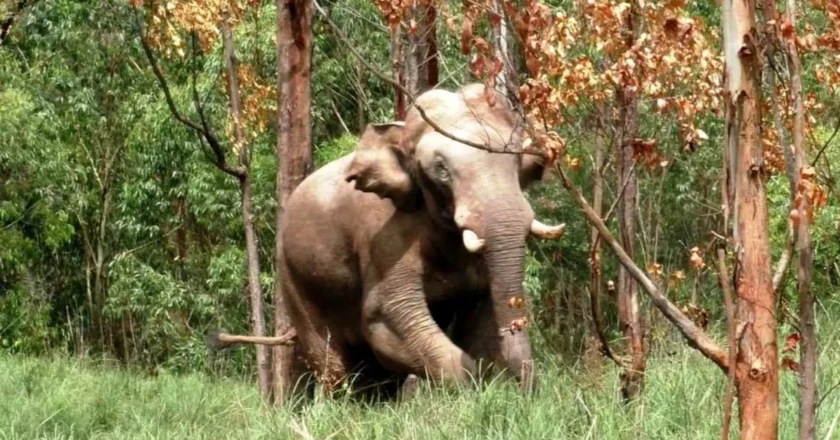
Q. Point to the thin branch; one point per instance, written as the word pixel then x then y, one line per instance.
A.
pixel 337 113
pixel 694 336
pixel 620 193
pixel 343 38
pixel 827 143
pixel 785 258
pixel 204 131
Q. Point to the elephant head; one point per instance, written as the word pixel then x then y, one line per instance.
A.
pixel 460 186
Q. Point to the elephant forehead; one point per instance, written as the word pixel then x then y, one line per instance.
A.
pixel 496 137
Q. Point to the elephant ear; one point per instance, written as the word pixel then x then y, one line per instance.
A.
pixel 531 170
pixel 380 164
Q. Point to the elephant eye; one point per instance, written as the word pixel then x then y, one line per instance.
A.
pixel 440 169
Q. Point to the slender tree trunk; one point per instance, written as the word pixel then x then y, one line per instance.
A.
pixel 398 72
pixel 361 114
pixel 294 154
pixel 506 81
pixel 632 379
pixel 757 360
pixel 808 342
pixel 251 245
pixel 629 316
pixel 595 266
pixel 421 62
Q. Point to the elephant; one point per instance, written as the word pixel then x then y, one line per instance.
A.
pixel 406 256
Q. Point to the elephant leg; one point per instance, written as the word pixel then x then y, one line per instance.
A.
pixel 323 349
pixel 404 336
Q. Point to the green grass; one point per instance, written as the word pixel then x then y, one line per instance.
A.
pixel 66 398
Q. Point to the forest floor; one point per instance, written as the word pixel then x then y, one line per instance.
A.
pixel 66 397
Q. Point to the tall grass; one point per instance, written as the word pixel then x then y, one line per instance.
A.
pixel 73 398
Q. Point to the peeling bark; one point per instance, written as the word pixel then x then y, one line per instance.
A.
pixel 757 359
pixel 293 154
pixel 506 81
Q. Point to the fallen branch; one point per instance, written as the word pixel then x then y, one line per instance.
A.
pixel 694 336
pixel 217 340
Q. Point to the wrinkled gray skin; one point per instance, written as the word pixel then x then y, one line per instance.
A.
pixel 376 270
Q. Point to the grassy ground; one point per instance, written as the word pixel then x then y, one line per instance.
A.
pixel 73 398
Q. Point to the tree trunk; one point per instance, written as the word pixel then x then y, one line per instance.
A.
pixel 632 379
pixel 506 81
pixel 757 360
pixel 294 154
pixel 398 72
pixel 595 266
pixel 421 62
pixel 808 342
pixel 251 245
pixel 361 113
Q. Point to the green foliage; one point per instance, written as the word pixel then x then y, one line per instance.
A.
pixel 334 149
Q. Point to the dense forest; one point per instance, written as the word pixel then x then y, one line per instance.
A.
pixel 148 149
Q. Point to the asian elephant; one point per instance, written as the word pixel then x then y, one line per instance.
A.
pixel 407 255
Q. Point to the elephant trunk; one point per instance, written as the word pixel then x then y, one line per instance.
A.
pixel 505 233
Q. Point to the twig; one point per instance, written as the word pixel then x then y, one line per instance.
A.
pixel 338 114
pixel 830 390
pixel 827 143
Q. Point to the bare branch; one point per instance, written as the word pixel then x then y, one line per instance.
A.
pixel 827 143
pixel 204 131
pixel 218 340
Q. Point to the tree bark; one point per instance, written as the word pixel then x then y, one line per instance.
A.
pixel 251 245
pixel 808 341
pixel 632 379
pixel 293 154
pixel 595 266
pixel 422 62
pixel 757 359
pixel 506 81
pixel 398 73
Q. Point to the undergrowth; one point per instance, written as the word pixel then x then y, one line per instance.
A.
pixel 77 398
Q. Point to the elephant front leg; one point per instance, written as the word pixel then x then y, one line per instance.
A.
pixel 404 336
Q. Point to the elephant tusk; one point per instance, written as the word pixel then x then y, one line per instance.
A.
pixel 542 230
pixel 472 242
